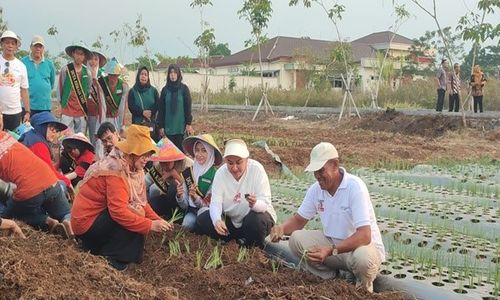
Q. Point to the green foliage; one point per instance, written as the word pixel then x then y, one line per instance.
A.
pixel 200 3
pixel 98 44
pixel 52 31
pixel 257 13
pixel 22 53
pixel 214 261
pixel 472 25
pixel 487 57
pixel 232 83
pixel 206 41
pixel 220 49
pixel 3 24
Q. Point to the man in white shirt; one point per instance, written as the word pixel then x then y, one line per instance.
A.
pixel 241 192
pixel 13 83
pixel 350 239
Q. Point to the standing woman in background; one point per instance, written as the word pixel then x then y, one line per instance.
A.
pixel 143 101
pixel 174 111
pixel 477 82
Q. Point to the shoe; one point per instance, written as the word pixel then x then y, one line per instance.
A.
pixel 117 265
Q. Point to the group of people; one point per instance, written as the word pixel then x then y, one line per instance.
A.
pixel 453 81
pixel 155 168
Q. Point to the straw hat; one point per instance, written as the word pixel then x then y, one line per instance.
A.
pixel 168 152
pixel 138 141
pixel 79 138
pixel 102 58
pixel 113 67
pixel 188 145
pixel 69 50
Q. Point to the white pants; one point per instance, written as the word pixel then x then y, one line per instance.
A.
pixel 77 124
pixel 364 262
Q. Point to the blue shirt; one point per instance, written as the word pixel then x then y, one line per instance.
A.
pixel 41 78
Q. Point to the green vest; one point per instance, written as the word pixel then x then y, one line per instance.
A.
pixel 148 101
pixel 67 87
pixel 117 98
pixel 205 180
pixel 174 120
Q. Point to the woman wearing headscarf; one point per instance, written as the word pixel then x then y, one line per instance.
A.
pixel 174 108
pixel 477 82
pixel 143 101
pixel 194 194
pixel 111 214
pixel 77 156
pixel 45 130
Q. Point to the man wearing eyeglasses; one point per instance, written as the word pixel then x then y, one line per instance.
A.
pixel 42 76
pixel 13 83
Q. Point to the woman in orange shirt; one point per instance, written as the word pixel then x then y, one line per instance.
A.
pixel 111 214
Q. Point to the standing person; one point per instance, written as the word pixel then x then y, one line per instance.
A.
pixel 41 76
pixel 113 91
pixel 37 195
pixel 442 80
pixel 454 104
pixel 241 192
pixel 174 109
pixel 13 83
pixel 477 82
pixel 111 214
pixel 195 193
pixel 76 158
pixel 94 106
pixel 143 101
pixel 75 82
pixel 350 239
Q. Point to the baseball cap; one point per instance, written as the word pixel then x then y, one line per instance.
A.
pixel 37 40
pixel 236 147
pixel 320 154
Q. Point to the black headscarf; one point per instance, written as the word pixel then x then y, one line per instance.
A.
pixel 173 86
pixel 138 86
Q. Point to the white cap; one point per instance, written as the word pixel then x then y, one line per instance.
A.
pixel 320 154
pixel 12 35
pixel 236 147
pixel 37 40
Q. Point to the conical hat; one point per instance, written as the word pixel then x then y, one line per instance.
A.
pixel 113 67
pixel 189 142
pixel 102 58
pixel 69 50
pixel 81 138
pixel 168 152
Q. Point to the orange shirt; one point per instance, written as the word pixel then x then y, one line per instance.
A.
pixel 108 192
pixel 21 166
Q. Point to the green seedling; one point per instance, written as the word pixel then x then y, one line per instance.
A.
pixel 275 265
pixel 174 248
pixel 199 258
pixel 242 254
pixel 214 261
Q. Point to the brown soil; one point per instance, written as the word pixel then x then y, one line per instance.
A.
pixel 45 267
pixel 373 141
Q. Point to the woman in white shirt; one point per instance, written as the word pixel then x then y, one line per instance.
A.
pixel 240 207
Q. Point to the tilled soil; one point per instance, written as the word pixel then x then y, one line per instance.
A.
pixel 45 267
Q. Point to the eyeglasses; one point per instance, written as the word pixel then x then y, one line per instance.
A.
pixel 6 70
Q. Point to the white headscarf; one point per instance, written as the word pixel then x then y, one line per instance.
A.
pixel 199 169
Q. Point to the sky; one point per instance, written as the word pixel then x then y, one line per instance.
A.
pixel 174 25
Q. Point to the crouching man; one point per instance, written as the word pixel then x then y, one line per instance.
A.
pixel 350 239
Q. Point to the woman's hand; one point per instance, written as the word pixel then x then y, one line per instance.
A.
pixel 189 130
pixel 251 200
pixel 147 114
pixel 161 226
pixel 12 228
pixel 180 189
pixel 192 192
pixel 221 228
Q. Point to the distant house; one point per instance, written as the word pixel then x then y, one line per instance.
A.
pixel 282 58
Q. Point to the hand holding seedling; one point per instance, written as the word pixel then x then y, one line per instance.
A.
pixel 319 254
pixel 221 228
pixel 161 226
pixel 180 189
pixel 277 233
pixel 192 192
pixel 251 199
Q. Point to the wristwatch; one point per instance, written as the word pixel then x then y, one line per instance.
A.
pixel 335 251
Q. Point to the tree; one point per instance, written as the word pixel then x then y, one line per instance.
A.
pixel 488 58
pixel 220 49
pixel 205 41
pixel 258 13
pixel 3 23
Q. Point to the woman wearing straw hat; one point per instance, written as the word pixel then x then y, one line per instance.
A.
pixel 113 93
pixel 111 214
pixel 95 110
pixel 241 192
pixel 77 156
pixel 74 87
pixel 165 177
pixel 194 195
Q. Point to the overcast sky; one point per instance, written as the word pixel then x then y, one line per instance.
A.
pixel 173 25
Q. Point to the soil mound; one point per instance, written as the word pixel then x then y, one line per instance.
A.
pixel 45 267
pixel 397 122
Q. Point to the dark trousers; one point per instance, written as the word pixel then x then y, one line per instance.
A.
pixel 454 103
pixel 165 204
pixel 177 140
pixel 478 102
pixel 440 100
pixel 34 211
pixel 109 239
pixel 11 122
pixel 255 228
